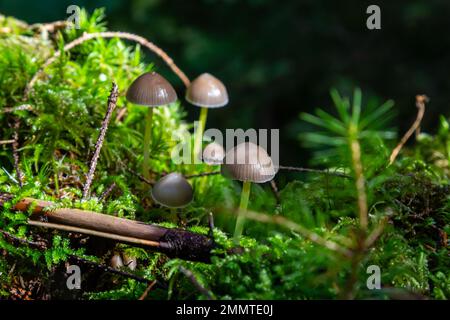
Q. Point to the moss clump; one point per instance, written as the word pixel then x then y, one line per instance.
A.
pixel 274 260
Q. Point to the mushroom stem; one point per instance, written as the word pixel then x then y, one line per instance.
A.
pixel 147 140
pixel 242 208
pixel 199 133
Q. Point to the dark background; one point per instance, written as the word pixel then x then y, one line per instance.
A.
pixel 279 58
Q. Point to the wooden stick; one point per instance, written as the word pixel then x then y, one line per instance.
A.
pixel 299 169
pixel 107 192
pixel 174 242
pixel 190 275
pixel 203 174
pixel 147 290
pixel 112 101
pixel 122 35
pixel 15 147
pixel 420 104
pixel 276 193
pixel 17 108
pixel 94 233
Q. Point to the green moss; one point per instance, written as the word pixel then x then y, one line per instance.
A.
pixel 57 138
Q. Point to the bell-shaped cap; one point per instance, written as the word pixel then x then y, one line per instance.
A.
pixel 152 90
pixel 207 91
pixel 248 162
pixel 213 154
pixel 116 261
pixel 172 191
pixel 130 261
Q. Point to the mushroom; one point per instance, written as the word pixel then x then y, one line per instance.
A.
pixel 213 154
pixel 116 261
pixel 172 191
pixel 152 90
pixel 130 261
pixel 205 91
pixel 248 163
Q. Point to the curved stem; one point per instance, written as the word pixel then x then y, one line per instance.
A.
pixel 242 208
pixel 122 35
pixel 147 142
pixel 199 134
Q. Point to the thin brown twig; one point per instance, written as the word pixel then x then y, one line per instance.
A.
pixel 276 193
pixel 120 114
pixel 50 26
pixel 96 233
pixel 140 177
pixel 203 174
pixel 122 35
pixel 327 172
pixel 421 100
pixel 34 244
pixel 147 290
pixel 190 275
pixel 112 101
pixel 106 193
pixel 17 108
pixel 15 147
pixel 6 141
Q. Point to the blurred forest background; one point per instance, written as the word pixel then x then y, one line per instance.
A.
pixel 279 58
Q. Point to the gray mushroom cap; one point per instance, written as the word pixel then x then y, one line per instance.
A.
pixel 207 91
pixel 172 191
pixel 116 261
pixel 213 154
pixel 248 162
pixel 152 90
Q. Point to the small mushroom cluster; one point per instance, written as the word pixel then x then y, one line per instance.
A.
pixel 246 162
pixel 152 90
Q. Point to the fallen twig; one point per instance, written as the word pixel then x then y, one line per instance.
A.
pixel 107 192
pixel 203 174
pixel 276 193
pixel 173 242
pixel 188 274
pixel 6 141
pixel 15 147
pixel 122 35
pixel 328 172
pixel 17 108
pixel 112 101
pixel 420 104
pixel 140 177
pixel 34 244
pixel 95 233
pixel 147 290
pixel 50 27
